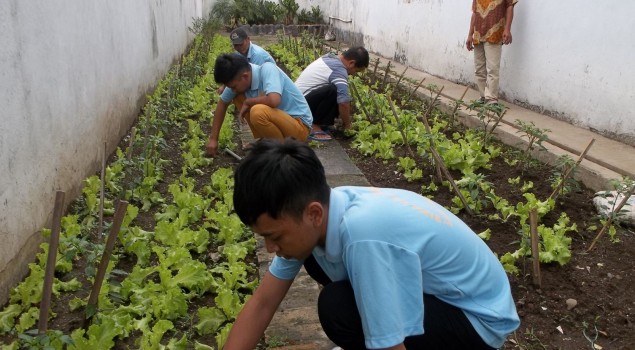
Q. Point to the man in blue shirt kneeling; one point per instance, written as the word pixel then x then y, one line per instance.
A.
pixel 399 271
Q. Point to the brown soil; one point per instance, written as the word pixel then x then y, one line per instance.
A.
pixel 601 281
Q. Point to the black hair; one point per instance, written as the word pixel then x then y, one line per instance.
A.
pixel 278 178
pixel 359 54
pixel 228 66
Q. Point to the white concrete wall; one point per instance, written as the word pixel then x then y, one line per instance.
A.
pixel 572 59
pixel 73 75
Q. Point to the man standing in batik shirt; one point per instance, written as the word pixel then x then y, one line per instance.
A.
pixel 490 28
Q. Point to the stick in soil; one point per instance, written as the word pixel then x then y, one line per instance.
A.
pixel 428 130
pixel 401 77
pixel 535 248
pixel 557 190
pixel 47 287
pixel 457 104
pixel 439 161
pixel 100 226
pixel 383 83
pixel 413 92
pixel 370 119
pixel 91 307
pixel 376 66
pixel 609 221
pixel 381 119
pixel 491 131
pixel 401 131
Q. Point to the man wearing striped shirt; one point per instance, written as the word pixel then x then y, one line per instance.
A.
pixel 324 84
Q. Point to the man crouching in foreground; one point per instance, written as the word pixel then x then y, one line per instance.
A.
pixel 399 271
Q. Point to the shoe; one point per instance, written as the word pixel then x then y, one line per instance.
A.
pixel 320 136
pixel 481 100
pixel 491 101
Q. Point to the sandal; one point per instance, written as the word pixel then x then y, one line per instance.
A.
pixel 320 136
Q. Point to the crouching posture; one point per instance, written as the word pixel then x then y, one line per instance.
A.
pixel 273 106
pixel 399 271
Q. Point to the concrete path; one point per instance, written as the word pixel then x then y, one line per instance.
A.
pixel 296 326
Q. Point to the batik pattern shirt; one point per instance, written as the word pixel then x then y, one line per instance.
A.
pixel 489 23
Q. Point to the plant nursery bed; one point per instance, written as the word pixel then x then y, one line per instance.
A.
pixel 587 303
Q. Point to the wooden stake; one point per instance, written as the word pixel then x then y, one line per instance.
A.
pixel 120 214
pixel 354 90
pixel 489 132
pixel 100 226
pixel 401 77
pixel 425 122
pixel 49 272
pixel 380 116
pixel 383 83
pixel 535 247
pixel 413 91
pixel 376 65
pixel 403 133
pixel 439 161
pixel 610 219
pixel 557 190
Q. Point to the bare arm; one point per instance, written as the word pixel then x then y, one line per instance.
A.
pixel 509 17
pixel 345 113
pixel 219 117
pixel 271 99
pixel 257 313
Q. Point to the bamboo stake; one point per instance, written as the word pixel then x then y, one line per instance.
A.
pixel 383 83
pixel 47 287
pixel 439 161
pixel 427 125
pixel 133 134
pixel 401 76
pixel 456 107
pixel 457 104
pixel 376 66
pixel 120 213
pixel 557 190
pixel 381 119
pixel 610 219
pixel 413 91
pixel 535 248
pixel 491 130
pixel 100 226
pixel 401 131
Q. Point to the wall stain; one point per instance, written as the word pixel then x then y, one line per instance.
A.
pixel 155 43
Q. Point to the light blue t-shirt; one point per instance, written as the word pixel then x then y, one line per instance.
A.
pixel 268 78
pixel 258 55
pixel 394 246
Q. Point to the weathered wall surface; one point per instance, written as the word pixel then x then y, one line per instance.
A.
pixel 73 76
pixel 570 60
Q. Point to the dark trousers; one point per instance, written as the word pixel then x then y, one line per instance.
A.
pixel 323 104
pixel 446 327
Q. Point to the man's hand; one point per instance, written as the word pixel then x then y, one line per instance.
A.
pixel 212 147
pixel 244 109
pixel 469 43
pixel 507 37
pixel 220 89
